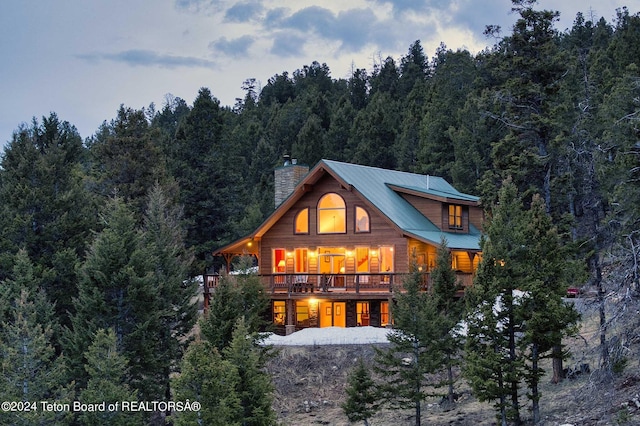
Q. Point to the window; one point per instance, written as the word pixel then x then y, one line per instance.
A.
pixel 302 313
pixel 332 217
pixel 362 314
pixel 279 261
pixel 279 312
pixel 302 222
pixel 384 314
pixel 301 260
pixel 386 259
pixel 362 220
pixel 455 216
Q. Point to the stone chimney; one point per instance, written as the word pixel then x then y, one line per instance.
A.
pixel 287 177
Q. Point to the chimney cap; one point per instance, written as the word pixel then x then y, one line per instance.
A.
pixel 286 158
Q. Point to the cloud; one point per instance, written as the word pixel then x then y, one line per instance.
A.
pixel 243 12
pixel 400 6
pixel 148 58
pixel 237 47
pixel 287 44
pixel 353 28
pixel 200 6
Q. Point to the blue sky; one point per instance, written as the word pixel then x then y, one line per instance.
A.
pixel 82 59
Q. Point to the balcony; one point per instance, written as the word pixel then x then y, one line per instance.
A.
pixel 293 285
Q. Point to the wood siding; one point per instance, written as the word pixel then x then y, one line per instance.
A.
pixel 281 234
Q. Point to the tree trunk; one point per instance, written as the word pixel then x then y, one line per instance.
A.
pixel 535 396
pixel 556 359
pixel 450 378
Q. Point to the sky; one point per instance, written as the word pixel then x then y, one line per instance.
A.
pixel 83 59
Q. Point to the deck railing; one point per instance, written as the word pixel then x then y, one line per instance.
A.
pixel 292 284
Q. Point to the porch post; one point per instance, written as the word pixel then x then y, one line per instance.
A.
pixel 290 326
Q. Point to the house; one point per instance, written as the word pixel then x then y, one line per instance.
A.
pixel 342 236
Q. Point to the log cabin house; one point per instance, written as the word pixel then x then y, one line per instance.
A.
pixel 343 235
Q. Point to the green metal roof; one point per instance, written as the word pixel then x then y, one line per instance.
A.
pixel 374 184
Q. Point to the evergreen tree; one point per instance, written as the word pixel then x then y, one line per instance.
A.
pixel 493 365
pixel 517 316
pixel 254 389
pixel 45 208
pixel 164 245
pixel 547 318
pixel 362 397
pixel 106 369
pixel 117 289
pixel 444 290
pixel 127 158
pixel 31 371
pixel 235 296
pixel 209 172
pixel 414 352
pixel 374 132
pixel 210 380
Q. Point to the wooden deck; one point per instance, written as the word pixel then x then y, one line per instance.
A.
pixel 343 286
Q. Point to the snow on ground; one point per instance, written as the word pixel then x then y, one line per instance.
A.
pixel 330 336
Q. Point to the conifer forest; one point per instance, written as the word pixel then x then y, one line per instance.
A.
pixel 102 235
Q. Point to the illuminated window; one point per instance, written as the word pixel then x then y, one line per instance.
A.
pixel 362 259
pixel 279 261
pixel 362 314
pixel 384 314
pixel 302 222
pixel 386 259
pixel 302 313
pixel 332 217
pixel 362 220
pixel 301 260
pixel 279 312
pixel 455 216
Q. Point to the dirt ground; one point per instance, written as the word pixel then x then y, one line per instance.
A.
pixel 310 385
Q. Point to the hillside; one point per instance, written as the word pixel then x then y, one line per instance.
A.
pixel 310 383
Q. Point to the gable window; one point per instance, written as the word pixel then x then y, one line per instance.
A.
pixel 332 216
pixel 362 220
pixel 302 222
pixel 455 216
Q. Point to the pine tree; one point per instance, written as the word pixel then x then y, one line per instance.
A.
pixel 445 287
pixel 493 365
pixel 362 397
pixel 547 318
pixel 31 371
pixel 106 369
pixel 163 243
pixel 45 207
pixel 516 313
pixel 207 378
pixel 117 291
pixel 235 296
pixel 414 352
pixel 254 389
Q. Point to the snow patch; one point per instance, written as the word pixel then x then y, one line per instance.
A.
pixel 330 336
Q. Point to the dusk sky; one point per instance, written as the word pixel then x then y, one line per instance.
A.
pixel 83 59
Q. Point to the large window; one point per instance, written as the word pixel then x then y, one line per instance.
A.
pixel 332 217
pixel 455 216
pixel 362 220
pixel 302 222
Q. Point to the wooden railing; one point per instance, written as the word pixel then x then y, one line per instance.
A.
pixel 325 283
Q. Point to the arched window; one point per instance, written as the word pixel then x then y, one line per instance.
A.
pixel 362 220
pixel 332 216
pixel 302 222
